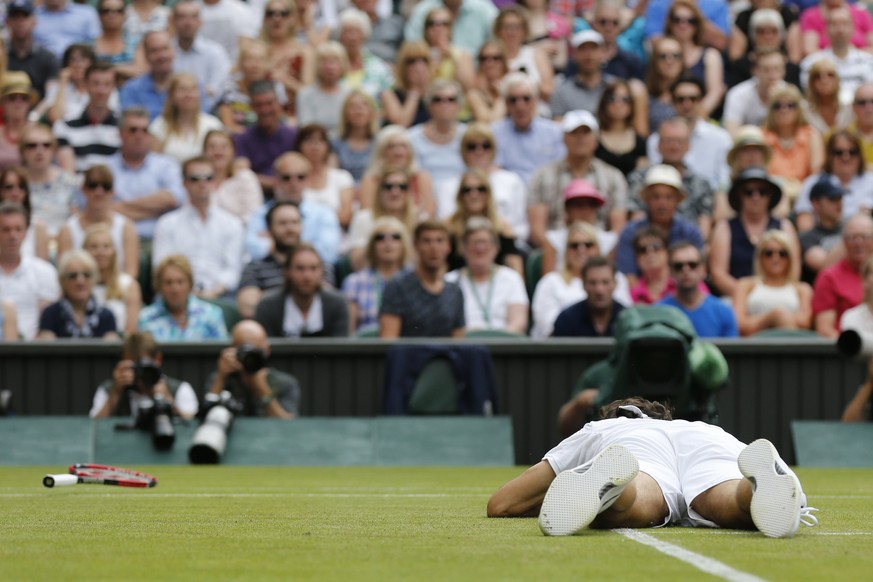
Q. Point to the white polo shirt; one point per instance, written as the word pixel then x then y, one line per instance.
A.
pixel 34 281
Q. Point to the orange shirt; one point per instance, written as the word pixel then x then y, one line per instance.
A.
pixel 792 163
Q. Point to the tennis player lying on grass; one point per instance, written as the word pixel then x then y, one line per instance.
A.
pixel 639 468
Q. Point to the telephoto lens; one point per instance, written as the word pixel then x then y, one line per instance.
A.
pixel 163 432
pixel 210 440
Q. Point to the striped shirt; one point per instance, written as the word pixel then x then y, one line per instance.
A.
pixel 92 143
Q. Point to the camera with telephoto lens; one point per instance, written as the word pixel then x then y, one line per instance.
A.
pixel 855 344
pixel 251 358
pixel 146 373
pixel 216 415
pixel 156 416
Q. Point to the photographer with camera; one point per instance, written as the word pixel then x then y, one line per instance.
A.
pixel 138 383
pixel 243 371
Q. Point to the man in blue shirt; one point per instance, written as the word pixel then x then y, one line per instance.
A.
pixel 60 23
pixel 147 184
pixel 596 315
pixel 710 316
pixel 204 58
pixel 320 225
pixel 150 90
pixel 662 193
pixel 527 141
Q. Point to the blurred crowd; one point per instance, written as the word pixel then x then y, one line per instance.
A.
pixel 434 168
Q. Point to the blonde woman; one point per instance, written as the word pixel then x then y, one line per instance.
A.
pixel 394 199
pixel 558 290
pixel 824 109
pixel 181 128
pixel 77 314
pixel 394 149
pixel 289 61
pixel 404 103
pixel 447 61
pixel 387 253
pixel 474 197
pixel 234 105
pixel 115 290
pixel 99 193
pixel 773 297
pixel 797 148
pixel 484 97
pixel 359 124
pixel 322 101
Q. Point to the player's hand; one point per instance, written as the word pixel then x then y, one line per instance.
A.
pixel 228 363
pixel 122 375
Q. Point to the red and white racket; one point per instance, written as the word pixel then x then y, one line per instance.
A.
pixel 90 473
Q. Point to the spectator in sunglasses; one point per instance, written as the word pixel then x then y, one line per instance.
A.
pixel 773 298
pixel 710 316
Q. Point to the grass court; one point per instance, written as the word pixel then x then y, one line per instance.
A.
pixel 360 524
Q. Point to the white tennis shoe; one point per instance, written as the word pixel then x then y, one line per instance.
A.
pixel 778 502
pixel 577 496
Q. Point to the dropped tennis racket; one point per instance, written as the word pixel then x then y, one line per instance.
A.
pixel 92 474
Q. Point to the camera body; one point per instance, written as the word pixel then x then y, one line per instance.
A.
pixel 251 358
pixel 210 439
pixel 146 373
pixel 156 416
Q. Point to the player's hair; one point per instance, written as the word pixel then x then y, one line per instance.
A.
pixel 652 409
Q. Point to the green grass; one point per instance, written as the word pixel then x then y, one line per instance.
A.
pixel 243 523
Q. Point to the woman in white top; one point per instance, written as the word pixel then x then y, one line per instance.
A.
pixel 393 199
pixel 512 28
pixel 117 291
pixel 99 193
pixel 332 187
pixel 180 129
pixel 558 290
pixel 478 150
pixel 773 298
pixel 14 189
pixel 237 189
pixel 494 295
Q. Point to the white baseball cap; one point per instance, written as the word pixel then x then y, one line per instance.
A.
pixel 579 118
pixel 584 36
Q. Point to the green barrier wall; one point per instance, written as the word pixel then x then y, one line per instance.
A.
pixel 772 381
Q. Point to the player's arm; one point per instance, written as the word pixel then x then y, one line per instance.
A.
pixel 522 496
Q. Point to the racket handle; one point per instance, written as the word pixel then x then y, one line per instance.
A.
pixel 62 480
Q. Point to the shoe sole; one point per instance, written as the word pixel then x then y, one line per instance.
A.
pixel 776 497
pixel 573 499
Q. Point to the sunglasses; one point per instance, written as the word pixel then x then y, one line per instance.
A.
pixel 199 178
pixel 432 23
pixel 379 237
pixel 605 21
pixel 579 244
pixel 785 105
pixel 679 266
pixel 470 189
pixel 32 145
pixel 863 102
pixel 678 99
pixel 669 56
pixel 73 275
pixel 512 100
pixel 94 185
pixel 282 13
pixel 402 186
pixel 750 192
pixel 17 97
pixel 445 99
pixel 473 146
pixel 770 253
pixel 649 248
pixel 684 20
pixel 111 11
pixel 486 58
pixel 618 99
pixel 289 177
pixel 841 153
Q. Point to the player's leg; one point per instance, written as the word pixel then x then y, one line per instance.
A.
pixel 726 504
pixel 608 491
pixel 522 496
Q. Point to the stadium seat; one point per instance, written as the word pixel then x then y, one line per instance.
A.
pixel 145 274
pixel 342 269
pixel 435 391
pixel 533 271
pixel 371 332
pixel 230 311
pixel 493 333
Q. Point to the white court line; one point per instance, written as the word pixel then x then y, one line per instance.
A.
pixel 701 562
pixel 195 495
